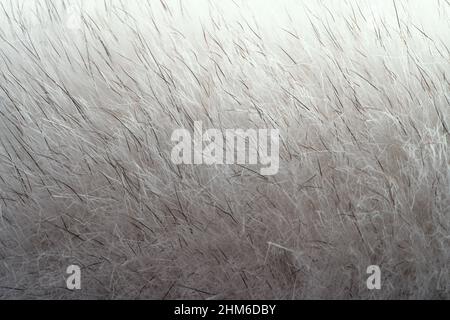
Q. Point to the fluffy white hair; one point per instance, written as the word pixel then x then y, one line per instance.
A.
pixel 90 92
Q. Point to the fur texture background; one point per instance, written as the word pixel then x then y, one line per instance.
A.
pixel 90 92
